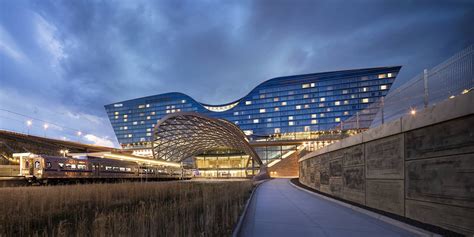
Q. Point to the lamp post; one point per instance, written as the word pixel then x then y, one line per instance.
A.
pixel 28 125
pixel 45 127
pixel 79 133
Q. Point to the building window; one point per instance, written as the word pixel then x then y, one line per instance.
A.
pixel 328 109
pixel 116 117
pixel 382 76
pixel 337 103
pixel 148 129
pixel 255 121
pixel 183 101
pixel 290 117
pixel 148 134
pixel 277 130
pixel 313 84
pixel 153 113
pixel 248 102
pixel 236 122
pixel 168 111
pixel 383 87
pixel 125 115
pixel 262 111
pixel 118 105
pixel 248 132
pixel 291 123
pixel 314 116
pixel 305 86
pixel 125 128
pixel 365 100
pixel 307 128
pixel 364 89
pixel 269 119
pixel 141 106
pixel 305 96
pixel 314 121
pixel 148 105
pixel 322 99
pixel 148 117
pixel 346 102
pixel 236 113
pixel 337 119
pixel 298 107
pixel 391 74
pixel 283 103
pixel 345 91
pixel 276 99
pixel 130 135
pixel 262 96
pixel 116 113
pixel 346 112
pixel 125 120
pixel 135 122
pixel 321 115
pixel 276 109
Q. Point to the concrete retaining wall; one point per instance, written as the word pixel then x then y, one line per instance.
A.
pixel 420 167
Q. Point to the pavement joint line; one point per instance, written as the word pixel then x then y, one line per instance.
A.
pixel 238 227
pixel 377 216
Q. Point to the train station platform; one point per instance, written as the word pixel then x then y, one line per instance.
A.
pixel 280 209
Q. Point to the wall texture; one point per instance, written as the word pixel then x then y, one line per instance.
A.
pixel 420 167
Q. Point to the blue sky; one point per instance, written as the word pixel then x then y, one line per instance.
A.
pixel 61 61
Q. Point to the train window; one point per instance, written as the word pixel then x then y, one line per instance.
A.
pixel 73 166
pixel 81 167
pixel 116 169
pixel 129 169
pixel 37 164
pixel 48 165
pixel 68 166
pixel 122 169
pixel 108 168
pixel 61 165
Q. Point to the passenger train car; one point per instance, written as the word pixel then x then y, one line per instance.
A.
pixel 49 169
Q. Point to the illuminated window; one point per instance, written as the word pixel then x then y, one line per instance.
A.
pixel 118 105
pixel 345 91
pixel 313 84
pixel 148 117
pixel 125 115
pixel 153 113
pixel 283 103
pixel 262 110
pixel 236 122
pixel 305 96
pixel 314 121
pixel 321 115
pixel 255 121
pixel 277 130
pixel 148 105
pixel 236 113
pixel 365 100
pixel 125 128
pixel 183 101
pixel 125 120
pixel 248 132
pixel 322 99
pixel 148 134
pixel 314 116
pixel 148 129
pixel 321 104
pixel 364 89
pixel 130 135
pixel 276 109
pixel 276 99
pixel 346 112
pixel 290 117
pixel 337 103
pixel 346 102
pixel 262 96
pixel 382 76
pixel 383 87
pixel 269 119
pixel 116 113
pixel 307 128
pixel 291 123
pixel 328 109
pixel 248 102
pixel 313 100
pixel 305 86
pixel 168 111
pixel 298 107
pixel 353 96
pixel 141 106
pixel 391 75
pixel 337 119
pixel 116 117
pixel 135 123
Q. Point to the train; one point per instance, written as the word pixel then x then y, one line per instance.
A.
pixel 43 169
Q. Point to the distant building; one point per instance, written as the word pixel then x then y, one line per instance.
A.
pixel 299 107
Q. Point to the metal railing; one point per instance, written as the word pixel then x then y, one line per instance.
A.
pixel 447 80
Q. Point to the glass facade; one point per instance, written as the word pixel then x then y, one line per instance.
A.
pixel 279 106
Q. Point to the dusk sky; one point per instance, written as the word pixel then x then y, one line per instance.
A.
pixel 62 61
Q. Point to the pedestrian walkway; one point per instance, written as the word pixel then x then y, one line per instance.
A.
pixel 279 209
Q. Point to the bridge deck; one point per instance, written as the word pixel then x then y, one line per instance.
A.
pixel 279 209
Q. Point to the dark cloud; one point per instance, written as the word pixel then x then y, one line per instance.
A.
pixel 75 56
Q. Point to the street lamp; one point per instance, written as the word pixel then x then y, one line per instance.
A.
pixel 45 126
pixel 28 124
pixel 413 112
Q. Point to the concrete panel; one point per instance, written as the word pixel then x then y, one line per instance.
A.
pixel 315 174
pixel 384 158
pixel 447 180
pixel 325 188
pixel 460 106
pixel 335 168
pixel 335 186
pixel 386 195
pixel 458 219
pixel 351 141
pixel 353 156
pixel 448 138
pixel 354 184
pixel 385 130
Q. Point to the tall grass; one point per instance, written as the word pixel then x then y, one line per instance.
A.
pixel 124 209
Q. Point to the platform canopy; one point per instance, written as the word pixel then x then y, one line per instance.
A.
pixel 184 134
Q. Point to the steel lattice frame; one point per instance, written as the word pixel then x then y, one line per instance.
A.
pixel 184 134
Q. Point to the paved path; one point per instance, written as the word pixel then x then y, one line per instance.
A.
pixel 279 209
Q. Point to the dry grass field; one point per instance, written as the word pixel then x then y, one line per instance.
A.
pixel 123 209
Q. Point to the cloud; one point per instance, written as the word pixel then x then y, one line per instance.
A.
pixel 99 141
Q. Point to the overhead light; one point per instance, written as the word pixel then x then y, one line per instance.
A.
pixel 29 122
pixel 412 111
pixel 45 126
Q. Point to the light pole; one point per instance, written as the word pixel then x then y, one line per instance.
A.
pixel 28 125
pixel 79 133
pixel 45 126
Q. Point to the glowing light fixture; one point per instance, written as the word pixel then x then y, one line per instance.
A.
pixel 412 111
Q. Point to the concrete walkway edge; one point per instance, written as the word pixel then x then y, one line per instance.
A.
pixel 399 224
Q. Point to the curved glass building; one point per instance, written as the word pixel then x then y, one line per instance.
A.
pixel 283 105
